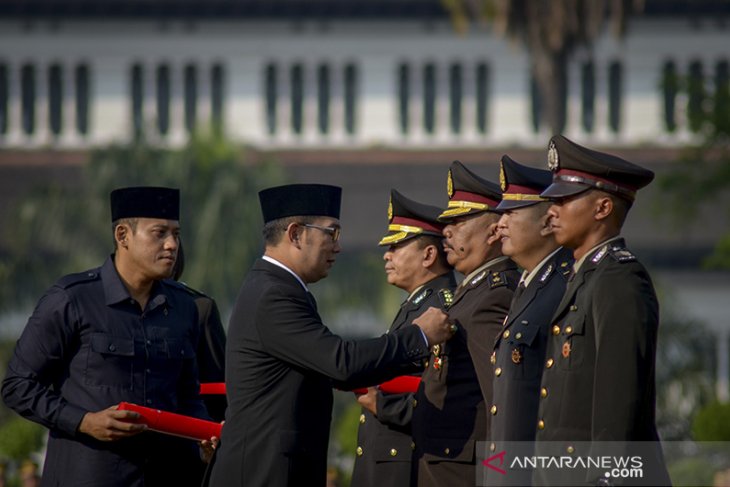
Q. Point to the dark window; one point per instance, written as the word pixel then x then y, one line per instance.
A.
pixel 27 86
pixel 137 101
pixel 670 86
pixel 297 98
pixel 588 94
pixel 722 98
pixel 482 90
pixel 323 98
pixel 55 99
pixel 163 99
pixel 615 82
pixel 404 95
pixel 695 96
pixel 217 80
pixel 455 92
pixel 429 98
pixel 191 97
pixel 4 95
pixel 350 98
pixel 536 111
pixel 82 99
pixel 271 87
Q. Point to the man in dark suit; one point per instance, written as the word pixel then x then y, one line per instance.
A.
pixel 598 383
pixel 280 358
pixel 519 352
pixel 415 262
pixel 450 416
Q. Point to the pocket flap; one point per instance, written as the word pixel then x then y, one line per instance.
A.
pixel 112 345
pixel 450 450
pixel 393 449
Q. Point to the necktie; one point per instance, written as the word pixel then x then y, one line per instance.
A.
pixel 518 292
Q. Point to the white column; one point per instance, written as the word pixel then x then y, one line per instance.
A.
pixel 42 133
pixel 15 118
pixel 723 364
pixel 69 133
pixel 177 133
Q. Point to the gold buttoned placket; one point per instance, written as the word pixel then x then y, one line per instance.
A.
pixel 362 419
pixel 568 330
pixel 556 330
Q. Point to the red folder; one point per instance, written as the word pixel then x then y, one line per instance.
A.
pixel 400 385
pixel 174 424
pixel 213 388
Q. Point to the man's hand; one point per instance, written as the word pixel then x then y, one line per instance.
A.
pixel 369 400
pixel 111 424
pixel 207 448
pixel 435 325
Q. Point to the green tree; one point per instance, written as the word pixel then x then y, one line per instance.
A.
pixel 550 31
pixel 61 230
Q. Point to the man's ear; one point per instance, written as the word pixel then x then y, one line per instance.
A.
pixel 603 207
pixel 120 234
pixel 430 254
pixel 546 228
pixel 293 233
pixel 492 233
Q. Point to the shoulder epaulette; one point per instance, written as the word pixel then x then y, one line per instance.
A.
pixel 446 297
pixel 497 279
pixel 622 254
pixel 565 268
pixel 546 273
pixel 598 256
pixel 184 287
pixel 423 295
pixel 72 279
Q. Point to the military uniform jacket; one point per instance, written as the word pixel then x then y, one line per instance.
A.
pixel 519 356
pixel 450 416
pixel 280 363
pixel 384 442
pixel 598 381
pixel 89 346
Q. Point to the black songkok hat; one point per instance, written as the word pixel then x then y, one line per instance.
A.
pixel 145 202
pixel 300 200
pixel 408 218
pixel 468 193
pixel 521 185
pixel 576 169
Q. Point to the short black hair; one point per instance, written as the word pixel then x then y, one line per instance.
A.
pixel 426 240
pixel 274 229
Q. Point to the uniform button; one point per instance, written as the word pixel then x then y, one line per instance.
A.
pixel 498 371
pixel 549 363
pixel 541 425
pixel 556 330
pixel 112 347
pixel 149 342
pixel 149 401
pixel 543 392
pixel 393 452
pixel 149 371
pixel 493 358
pixel 492 447
pixel 573 307
pixel 570 449
pixel 425 364
pixel 415 402
pixel 436 349
pixel 359 451
pixel 447 451
pixel 493 410
pixel 505 334
pixel 518 335
pixel 362 419
pixel 413 445
pixel 568 330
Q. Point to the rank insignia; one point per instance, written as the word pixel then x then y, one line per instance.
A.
pixel 599 255
pixel 478 278
pixel 437 362
pixel 449 185
pixel 498 279
pixel 447 297
pixel 566 350
pixel 436 349
pixel 547 272
pixel 418 299
pixel 516 356
pixel 553 158
pixel 622 255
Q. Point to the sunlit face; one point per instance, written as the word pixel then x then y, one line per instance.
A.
pixel 404 264
pixel 152 247
pixel 572 219
pixel 318 248
pixel 465 240
pixel 520 231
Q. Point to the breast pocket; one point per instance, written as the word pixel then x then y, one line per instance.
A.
pixel 110 361
pixel 573 343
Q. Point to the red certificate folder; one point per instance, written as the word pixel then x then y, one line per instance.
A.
pixel 399 385
pixel 174 424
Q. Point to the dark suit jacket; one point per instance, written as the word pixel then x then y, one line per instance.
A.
pixel 450 416
pixel 599 371
pixel 518 361
pixel 384 442
pixel 280 362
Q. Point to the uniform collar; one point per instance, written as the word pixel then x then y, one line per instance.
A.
pixel 115 291
pixel 578 263
pixel 528 276
pixel 275 262
pixel 482 267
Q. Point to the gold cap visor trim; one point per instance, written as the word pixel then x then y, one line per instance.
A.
pixel 523 197
pixel 457 208
pixel 394 238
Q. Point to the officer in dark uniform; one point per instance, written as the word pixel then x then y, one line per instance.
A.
pixel 120 332
pixel 598 383
pixel 519 352
pixel 451 412
pixel 415 262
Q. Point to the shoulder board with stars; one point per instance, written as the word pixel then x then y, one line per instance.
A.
pixel 478 278
pixel 497 279
pixel 622 255
pixel 600 255
pixel 446 297
pixel 565 268
pixel 419 299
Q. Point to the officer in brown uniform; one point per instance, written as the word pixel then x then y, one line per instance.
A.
pixel 451 413
pixel 598 383
pixel 519 353
pixel 415 262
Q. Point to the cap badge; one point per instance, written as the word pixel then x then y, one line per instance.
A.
pixel 553 159
pixel 450 185
pixel 390 209
pixel 502 178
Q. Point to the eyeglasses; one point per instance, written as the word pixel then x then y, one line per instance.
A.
pixel 334 232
